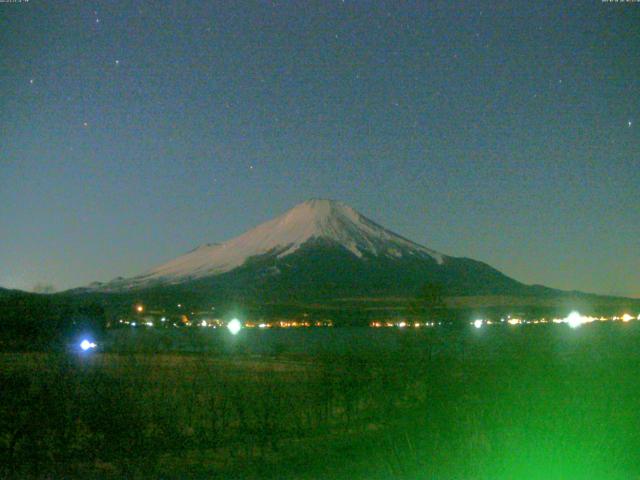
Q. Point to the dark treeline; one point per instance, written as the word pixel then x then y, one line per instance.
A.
pixel 31 321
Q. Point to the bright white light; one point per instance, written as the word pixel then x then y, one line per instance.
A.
pixel 86 345
pixel 626 317
pixel 262 325
pixel 163 319
pixel 402 324
pixel 203 323
pixel 477 323
pixel 149 324
pixel 133 324
pixel 234 326
pixel 574 319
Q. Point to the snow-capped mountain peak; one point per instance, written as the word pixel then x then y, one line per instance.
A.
pixel 317 219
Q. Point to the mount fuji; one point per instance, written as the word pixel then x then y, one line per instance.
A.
pixel 318 249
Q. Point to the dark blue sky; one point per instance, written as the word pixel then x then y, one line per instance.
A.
pixel 504 131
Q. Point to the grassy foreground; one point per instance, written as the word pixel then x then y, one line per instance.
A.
pixel 524 403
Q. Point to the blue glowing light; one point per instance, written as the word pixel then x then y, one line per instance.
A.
pixel 87 345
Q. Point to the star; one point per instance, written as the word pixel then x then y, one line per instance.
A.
pixel 629 123
pixel 31 81
pixel 85 124
pixel 117 62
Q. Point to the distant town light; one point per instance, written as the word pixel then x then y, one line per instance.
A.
pixel 477 323
pixel 139 308
pixel 203 323
pixel 234 326
pixel 86 345
pixel 626 317
pixel 402 324
pixel 574 319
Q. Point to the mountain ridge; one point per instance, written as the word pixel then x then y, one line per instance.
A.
pixel 313 219
pixel 320 249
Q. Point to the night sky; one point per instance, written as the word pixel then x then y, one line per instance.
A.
pixel 509 132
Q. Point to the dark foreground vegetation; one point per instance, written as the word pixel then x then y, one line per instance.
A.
pixel 542 402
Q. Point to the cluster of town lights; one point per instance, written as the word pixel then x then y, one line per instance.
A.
pixel 185 321
pixel 574 320
pixel 403 324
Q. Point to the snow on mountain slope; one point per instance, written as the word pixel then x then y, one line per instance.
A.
pixel 316 219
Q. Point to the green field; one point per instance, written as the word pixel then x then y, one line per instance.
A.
pixel 543 402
